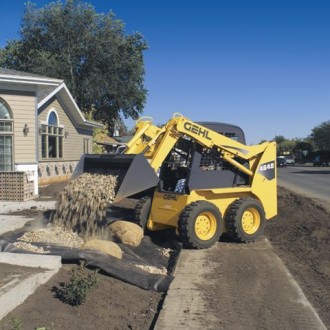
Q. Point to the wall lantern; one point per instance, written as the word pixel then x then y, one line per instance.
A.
pixel 66 134
pixel 42 129
pixel 26 130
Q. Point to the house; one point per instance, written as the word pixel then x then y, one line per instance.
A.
pixel 109 144
pixel 43 133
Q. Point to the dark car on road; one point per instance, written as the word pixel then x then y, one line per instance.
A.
pixel 280 162
pixel 320 161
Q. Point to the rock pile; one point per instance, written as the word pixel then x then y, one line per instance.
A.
pixel 54 236
pixel 81 206
pixel 30 247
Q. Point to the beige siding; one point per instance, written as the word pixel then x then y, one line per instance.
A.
pixel 24 112
pixel 73 144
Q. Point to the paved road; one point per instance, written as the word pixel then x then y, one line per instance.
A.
pixel 307 180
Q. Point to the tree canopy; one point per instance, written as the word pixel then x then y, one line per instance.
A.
pixel 284 146
pixel 317 143
pixel 102 66
pixel 320 135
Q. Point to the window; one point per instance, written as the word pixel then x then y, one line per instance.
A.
pixel 86 146
pixel 211 160
pixel 231 135
pixel 52 119
pixel 51 138
pixel 6 137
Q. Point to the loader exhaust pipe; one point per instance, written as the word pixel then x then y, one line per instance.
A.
pixel 135 170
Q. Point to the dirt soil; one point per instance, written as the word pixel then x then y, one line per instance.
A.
pixel 300 236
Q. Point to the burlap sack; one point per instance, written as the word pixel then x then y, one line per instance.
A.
pixel 127 232
pixel 104 246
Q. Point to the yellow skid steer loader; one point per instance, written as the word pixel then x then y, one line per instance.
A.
pixel 199 178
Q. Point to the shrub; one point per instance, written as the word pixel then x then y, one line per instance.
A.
pixel 16 323
pixel 75 291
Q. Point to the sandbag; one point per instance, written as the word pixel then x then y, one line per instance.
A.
pixel 127 232
pixel 107 247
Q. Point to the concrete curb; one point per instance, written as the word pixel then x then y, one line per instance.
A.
pixel 12 222
pixel 16 289
pixel 9 222
pixel 7 206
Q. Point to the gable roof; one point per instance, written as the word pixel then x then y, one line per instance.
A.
pixel 103 138
pixel 124 138
pixel 48 88
pixel 44 91
pixel 21 76
pixel 63 94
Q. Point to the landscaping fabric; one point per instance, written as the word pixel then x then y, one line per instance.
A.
pixel 148 253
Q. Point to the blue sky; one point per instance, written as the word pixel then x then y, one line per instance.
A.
pixel 262 65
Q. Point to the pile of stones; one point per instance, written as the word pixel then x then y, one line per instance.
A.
pixel 81 206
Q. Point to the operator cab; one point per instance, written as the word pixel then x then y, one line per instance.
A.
pixel 190 166
pixel 232 131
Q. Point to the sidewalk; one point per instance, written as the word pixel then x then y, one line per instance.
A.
pixel 22 274
pixel 250 288
pixel 12 222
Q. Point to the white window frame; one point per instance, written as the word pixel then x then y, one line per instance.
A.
pixel 52 131
pixel 5 134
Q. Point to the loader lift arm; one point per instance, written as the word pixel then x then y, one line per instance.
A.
pixel 164 139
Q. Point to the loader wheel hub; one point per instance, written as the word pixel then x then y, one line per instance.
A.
pixel 250 221
pixel 205 226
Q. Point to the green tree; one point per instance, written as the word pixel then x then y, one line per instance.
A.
pixel 320 136
pixel 285 146
pixel 103 67
pixel 279 139
pixel 303 149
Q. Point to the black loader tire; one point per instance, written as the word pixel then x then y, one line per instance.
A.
pixel 245 220
pixel 142 210
pixel 200 225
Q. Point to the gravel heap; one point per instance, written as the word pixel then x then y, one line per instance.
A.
pixel 30 247
pixel 81 206
pixel 152 269
pixel 54 236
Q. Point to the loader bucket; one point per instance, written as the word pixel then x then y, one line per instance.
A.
pixel 137 175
